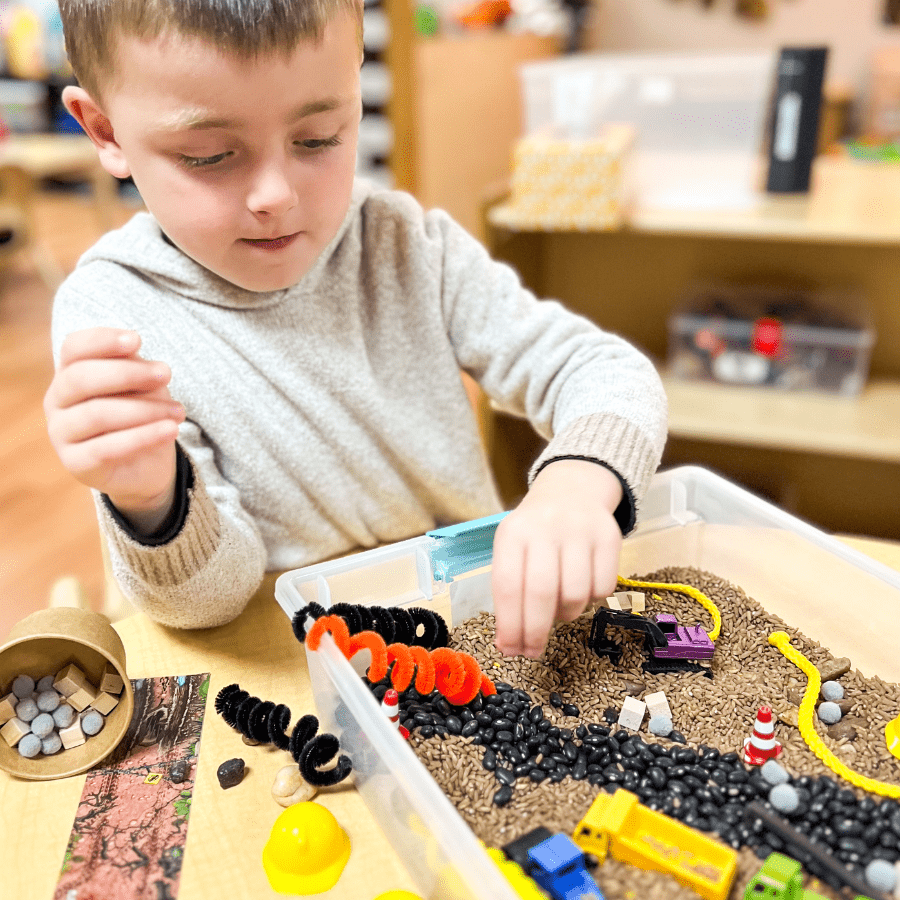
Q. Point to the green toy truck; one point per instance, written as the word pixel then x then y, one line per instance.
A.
pixel 780 878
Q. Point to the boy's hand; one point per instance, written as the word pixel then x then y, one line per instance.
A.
pixel 554 553
pixel 113 422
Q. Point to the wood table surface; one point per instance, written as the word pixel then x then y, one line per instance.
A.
pixel 228 828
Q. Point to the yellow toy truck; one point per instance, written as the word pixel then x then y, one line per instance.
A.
pixel 619 824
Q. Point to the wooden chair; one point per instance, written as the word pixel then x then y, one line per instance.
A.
pixel 17 223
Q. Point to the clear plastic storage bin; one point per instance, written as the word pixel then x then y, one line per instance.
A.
pixel 699 119
pixel 690 517
pixel 793 340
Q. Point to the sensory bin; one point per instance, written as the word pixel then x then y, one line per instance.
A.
pixel 762 568
pixel 706 785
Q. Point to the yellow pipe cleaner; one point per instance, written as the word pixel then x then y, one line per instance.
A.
pixel 781 640
pixel 693 592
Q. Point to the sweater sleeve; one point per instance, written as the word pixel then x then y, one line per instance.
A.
pixel 589 393
pixel 208 570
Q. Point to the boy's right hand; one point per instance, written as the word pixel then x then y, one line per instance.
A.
pixel 113 422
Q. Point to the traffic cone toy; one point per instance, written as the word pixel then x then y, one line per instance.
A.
pixel 391 707
pixel 761 745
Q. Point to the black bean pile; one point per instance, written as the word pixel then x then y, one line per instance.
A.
pixel 538 751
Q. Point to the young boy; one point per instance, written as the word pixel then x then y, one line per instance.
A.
pixel 262 371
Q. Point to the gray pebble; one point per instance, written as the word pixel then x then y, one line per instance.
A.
pixel 773 772
pixel 23 686
pixel 29 746
pixel 881 875
pixel 43 725
pixel 51 744
pixel 784 798
pixel 833 690
pixel 829 712
pixel 47 701
pixel 63 715
pixel 92 722
pixel 45 684
pixel 231 772
pixel 661 726
pixel 27 709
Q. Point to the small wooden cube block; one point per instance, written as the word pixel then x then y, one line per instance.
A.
pixel 111 681
pixel 69 679
pixel 83 697
pixel 105 703
pixel 658 705
pixel 615 603
pixel 638 601
pixel 72 736
pixel 632 713
pixel 14 730
pixel 8 707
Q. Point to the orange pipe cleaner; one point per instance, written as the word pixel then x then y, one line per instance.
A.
pixel 424 669
pixel 336 626
pixel 456 675
pixel 370 640
pixel 404 666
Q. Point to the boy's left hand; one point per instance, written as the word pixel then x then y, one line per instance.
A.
pixel 554 553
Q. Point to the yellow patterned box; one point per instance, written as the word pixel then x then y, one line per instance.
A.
pixel 566 184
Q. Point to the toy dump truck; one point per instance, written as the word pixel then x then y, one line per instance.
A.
pixel 620 825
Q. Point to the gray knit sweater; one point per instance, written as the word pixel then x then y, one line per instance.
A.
pixel 330 416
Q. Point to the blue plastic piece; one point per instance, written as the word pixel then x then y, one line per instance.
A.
pixel 558 867
pixel 463 547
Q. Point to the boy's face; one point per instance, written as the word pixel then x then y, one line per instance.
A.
pixel 246 164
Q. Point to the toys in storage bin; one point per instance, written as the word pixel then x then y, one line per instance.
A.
pixel 781 338
pixel 690 517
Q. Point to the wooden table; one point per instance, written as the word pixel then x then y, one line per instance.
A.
pixel 227 828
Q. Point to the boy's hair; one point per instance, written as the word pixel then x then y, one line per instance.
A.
pixel 246 28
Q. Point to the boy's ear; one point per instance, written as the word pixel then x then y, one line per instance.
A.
pixel 98 128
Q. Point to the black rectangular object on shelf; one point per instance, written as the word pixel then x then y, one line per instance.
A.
pixel 794 122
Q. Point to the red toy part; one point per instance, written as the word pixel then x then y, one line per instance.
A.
pixel 449 672
pixel 761 745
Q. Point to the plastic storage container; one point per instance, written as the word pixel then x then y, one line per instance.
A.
pixel 690 517
pixel 699 119
pixel 794 340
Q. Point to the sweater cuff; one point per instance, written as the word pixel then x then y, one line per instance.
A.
pixel 612 442
pixel 173 523
pixel 186 552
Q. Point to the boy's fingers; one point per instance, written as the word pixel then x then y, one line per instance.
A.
pixel 103 415
pixel 90 378
pixel 116 447
pixel 507 587
pixel 540 597
pixel 576 581
pixel 96 343
pixel 606 573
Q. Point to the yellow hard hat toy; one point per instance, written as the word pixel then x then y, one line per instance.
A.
pixel 306 851
pixel 892 736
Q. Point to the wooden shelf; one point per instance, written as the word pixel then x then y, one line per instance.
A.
pixel 864 427
pixel 850 202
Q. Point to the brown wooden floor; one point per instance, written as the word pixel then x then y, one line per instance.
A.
pixel 47 522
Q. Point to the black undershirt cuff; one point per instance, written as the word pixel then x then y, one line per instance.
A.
pixel 626 512
pixel 171 526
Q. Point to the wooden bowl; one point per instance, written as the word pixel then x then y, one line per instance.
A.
pixel 42 644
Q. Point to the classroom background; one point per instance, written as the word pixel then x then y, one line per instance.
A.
pixel 772 311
